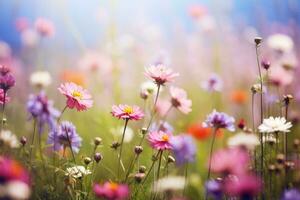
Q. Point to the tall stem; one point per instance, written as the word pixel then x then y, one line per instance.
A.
pixel 32 141
pixel 70 145
pixel 121 147
pixel 154 107
pixel 3 109
pixel 253 125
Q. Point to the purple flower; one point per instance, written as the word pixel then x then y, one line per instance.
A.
pixel 214 83
pixel 219 120
pixel 63 136
pixel 214 188
pixel 7 81
pixel 42 110
pixel 184 149
pixel 161 126
pixel 291 194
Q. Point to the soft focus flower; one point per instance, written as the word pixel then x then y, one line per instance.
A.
pixel 184 149
pixel 77 97
pixel 7 99
pixel 30 38
pixel 239 96
pixel 162 126
pixel 277 124
pixel 197 11
pixel 40 79
pixel 111 191
pixel 44 27
pixel 127 112
pixel 230 161
pixel 245 140
pixel 244 186
pixel 170 183
pixel 160 74
pixel 280 42
pixel 64 136
pixel 9 139
pixel 214 188
pixel 77 171
pixel 5 50
pixel 21 24
pixel 213 83
pixel 278 76
pixel 73 76
pixel 219 120
pixel 160 140
pixel 179 100
pixel 201 133
pixel 128 134
pixel 94 61
pixel 148 88
pixel 291 194
pixel 42 110
pixel 16 190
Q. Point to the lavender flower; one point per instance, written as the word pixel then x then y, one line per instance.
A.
pixel 219 120
pixel 214 188
pixel 63 136
pixel 184 149
pixel 291 194
pixel 213 83
pixel 43 111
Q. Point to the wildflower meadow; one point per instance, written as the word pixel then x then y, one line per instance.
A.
pixel 158 100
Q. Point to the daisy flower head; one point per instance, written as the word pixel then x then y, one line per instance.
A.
pixel 127 112
pixel 274 125
pixel 77 96
pixel 219 120
pixel 111 191
pixel 160 140
pixel 77 171
pixel 244 140
pixel 160 74
pixel 9 139
pixel 40 79
pixel 179 100
pixel 170 183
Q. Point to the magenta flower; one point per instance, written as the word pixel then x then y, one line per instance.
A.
pixel 179 100
pixel 230 161
pixel 244 186
pixel 127 112
pixel 77 97
pixel 160 74
pixel 44 27
pixel 160 140
pixel 7 99
pixel 111 191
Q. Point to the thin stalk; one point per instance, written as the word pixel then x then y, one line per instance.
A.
pixel 154 107
pixel 253 125
pixel 70 145
pixel 32 141
pixel 121 148
pixel 185 178
pixel 3 109
pixel 285 141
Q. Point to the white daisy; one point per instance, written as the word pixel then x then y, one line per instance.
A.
pixel 77 171
pixel 247 140
pixel 269 139
pixel 118 132
pixel 280 42
pixel 169 183
pixel 277 124
pixel 40 79
pixel 9 139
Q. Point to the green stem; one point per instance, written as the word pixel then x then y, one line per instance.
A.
pixel 121 148
pixel 32 141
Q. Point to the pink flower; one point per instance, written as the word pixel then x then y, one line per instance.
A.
pixel 160 74
pixel 162 107
pixel 7 99
pixel 22 24
pixel 76 96
pixel 230 161
pixel 44 27
pixel 179 100
pixel 127 112
pixel 243 186
pixel 160 140
pixel 111 191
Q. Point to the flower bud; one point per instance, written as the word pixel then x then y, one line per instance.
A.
pixel 171 159
pixel 296 143
pixel 144 130
pixel 255 88
pixel 280 158
pixel 142 169
pixel 139 177
pixel 115 145
pixel 98 157
pixel 241 124
pixel 4 120
pixel 138 149
pixel 87 160
pixel 144 95
pixel 265 64
pixel 287 99
pixel 257 40
pixel 97 141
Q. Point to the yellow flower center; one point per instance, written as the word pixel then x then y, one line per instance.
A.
pixel 128 110
pixel 113 186
pixel 165 138
pixel 77 94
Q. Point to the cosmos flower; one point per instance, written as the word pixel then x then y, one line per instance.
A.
pixel 40 79
pixel 170 183
pixel 184 149
pixel 180 101
pixel 63 136
pixel 7 99
pixel 245 186
pixel 213 84
pixel 160 74
pixel 219 120
pixel 77 97
pixel 127 112
pixel 77 171
pixel 280 42
pixel 291 194
pixel 230 161
pixel 214 188
pixel 160 140
pixel 44 27
pixel 245 140
pixel 111 191
pixel 9 139
pixel 277 124
pixel 42 110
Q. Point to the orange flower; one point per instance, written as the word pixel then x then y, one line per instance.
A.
pixel 201 133
pixel 239 96
pixel 73 76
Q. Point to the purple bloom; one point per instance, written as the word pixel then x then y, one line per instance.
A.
pixel 214 188
pixel 42 110
pixel 63 136
pixel 161 126
pixel 214 83
pixel 7 81
pixel 291 194
pixel 184 149
pixel 219 120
